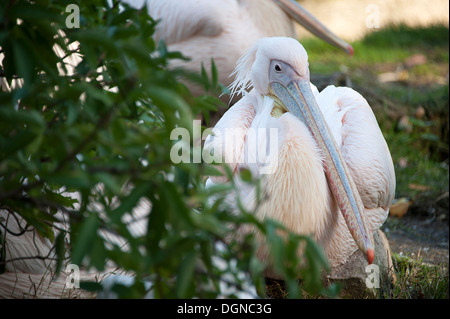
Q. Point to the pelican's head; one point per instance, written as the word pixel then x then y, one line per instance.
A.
pixel 252 68
pixel 278 67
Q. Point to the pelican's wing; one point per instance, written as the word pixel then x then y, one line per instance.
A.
pixel 228 136
pixel 363 147
pixel 181 19
pixel 21 243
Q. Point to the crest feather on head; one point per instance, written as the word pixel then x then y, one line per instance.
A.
pixel 242 72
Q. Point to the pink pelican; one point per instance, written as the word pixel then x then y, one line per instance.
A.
pixel 225 29
pixel 330 175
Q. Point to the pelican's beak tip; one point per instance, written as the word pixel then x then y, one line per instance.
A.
pixel 350 50
pixel 370 255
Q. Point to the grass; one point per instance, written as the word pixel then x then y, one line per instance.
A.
pixel 389 45
pixel 414 280
pixel 418 280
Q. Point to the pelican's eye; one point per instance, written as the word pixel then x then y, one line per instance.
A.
pixel 277 68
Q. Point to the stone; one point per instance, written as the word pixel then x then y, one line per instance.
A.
pixel 400 207
pixel 360 280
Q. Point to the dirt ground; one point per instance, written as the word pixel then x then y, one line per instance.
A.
pixel 423 233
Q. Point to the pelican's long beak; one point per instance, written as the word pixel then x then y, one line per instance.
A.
pixel 294 92
pixel 302 16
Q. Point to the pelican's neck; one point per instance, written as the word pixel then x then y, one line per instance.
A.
pixel 278 107
pixel 297 189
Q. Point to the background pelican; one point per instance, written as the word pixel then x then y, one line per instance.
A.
pixel 305 187
pixel 225 29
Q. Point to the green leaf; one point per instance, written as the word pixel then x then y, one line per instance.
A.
pixel 60 250
pixel 205 78
pixel 185 277
pixel 214 74
pixel 98 255
pixel 123 17
pixel 111 183
pixel 316 263
pixel 10 146
pixel 170 102
pixel 136 291
pixel 129 202
pixel 178 212
pixel 209 103
pixel 219 188
pixel 94 38
pixel 34 12
pixel 246 175
pixel 91 286
pixel 276 245
pixel 25 62
pixel 209 223
pixel 84 238
pixel 155 226
pixel 66 201
pixel 211 170
pixel 72 180
pixel 42 222
pixel 138 51
pixel 21 117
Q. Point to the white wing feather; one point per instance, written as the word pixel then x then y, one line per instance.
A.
pixel 363 147
pixel 185 19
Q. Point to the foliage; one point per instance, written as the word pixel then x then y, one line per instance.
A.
pixel 418 280
pixel 91 144
pixel 390 44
